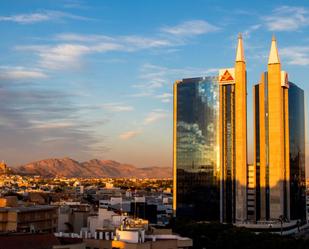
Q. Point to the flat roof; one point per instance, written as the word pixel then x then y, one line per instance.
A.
pixel 28 209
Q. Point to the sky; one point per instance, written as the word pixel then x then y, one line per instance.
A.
pixel 93 79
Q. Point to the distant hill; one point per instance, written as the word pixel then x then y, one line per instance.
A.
pixel 94 168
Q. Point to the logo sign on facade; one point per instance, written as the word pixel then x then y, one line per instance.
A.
pixel 227 76
pixel 284 79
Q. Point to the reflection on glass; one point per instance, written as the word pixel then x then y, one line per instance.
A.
pixel 198 169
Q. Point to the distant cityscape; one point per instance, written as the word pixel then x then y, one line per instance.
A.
pixel 160 124
pixel 61 203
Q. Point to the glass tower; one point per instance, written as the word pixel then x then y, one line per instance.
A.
pixel 197 143
pixel 210 129
pixel 297 153
pixel 279 146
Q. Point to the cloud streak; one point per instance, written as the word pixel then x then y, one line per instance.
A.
pixel 117 107
pixel 287 18
pixel 153 77
pixel 20 73
pixel 152 117
pixel 297 55
pixel 155 116
pixel 189 28
pixel 40 16
pixel 38 123
pixel 129 134
pixel 164 97
pixel 68 49
pixel 70 54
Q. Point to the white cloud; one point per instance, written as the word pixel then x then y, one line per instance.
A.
pixel 188 28
pixel 297 55
pixel 155 116
pixel 125 43
pixel 64 56
pixel 287 18
pixel 248 31
pixel 164 97
pixel 140 42
pixel 153 77
pixel 82 38
pixel 75 4
pixel 41 16
pixel 129 134
pixel 20 73
pixel 51 125
pixel 68 49
pixel 117 107
pixel 70 54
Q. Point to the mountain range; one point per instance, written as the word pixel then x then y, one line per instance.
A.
pixel 68 167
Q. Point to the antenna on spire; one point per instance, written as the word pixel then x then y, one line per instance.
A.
pixel 273 54
pixel 273 37
pixel 240 55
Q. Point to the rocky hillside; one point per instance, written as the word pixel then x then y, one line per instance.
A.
pixel 94 168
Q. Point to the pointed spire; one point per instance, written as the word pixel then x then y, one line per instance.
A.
pixel 273 54
pixel 240 55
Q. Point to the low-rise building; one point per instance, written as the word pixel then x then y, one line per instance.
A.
pixel 20 218
pixel 138 238
pixel 72 216
pixel 39 241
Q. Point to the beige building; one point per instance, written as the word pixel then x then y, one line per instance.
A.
pixel 273 146
pixel 137 238
pixel 279 147
pixel 72 216
pixel 38 241
pixel 19 218
pixel 251 195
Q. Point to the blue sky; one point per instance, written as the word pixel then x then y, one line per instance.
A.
pixel 93 79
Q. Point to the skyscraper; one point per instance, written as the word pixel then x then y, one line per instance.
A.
pixel 196 148
pixel 212 178
pixel 297 153
pixel 279 168
pixel 210 129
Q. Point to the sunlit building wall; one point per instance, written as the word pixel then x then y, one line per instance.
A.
pixel 279 144
pixel 210 131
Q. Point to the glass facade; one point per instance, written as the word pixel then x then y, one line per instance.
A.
pixel 228 148
pixel 257 153
pixel 197 149
pixel 297 153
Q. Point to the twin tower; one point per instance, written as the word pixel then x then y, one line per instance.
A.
pixel 212 178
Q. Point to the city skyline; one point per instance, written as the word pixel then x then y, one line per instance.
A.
pixel 212 179
pixel 87 81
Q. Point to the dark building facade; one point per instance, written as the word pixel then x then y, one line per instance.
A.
pixel 297 153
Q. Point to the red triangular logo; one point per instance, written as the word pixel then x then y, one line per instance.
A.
pixel 226 76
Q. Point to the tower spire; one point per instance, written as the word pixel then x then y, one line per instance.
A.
pixel 240 55
pixel 273 54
